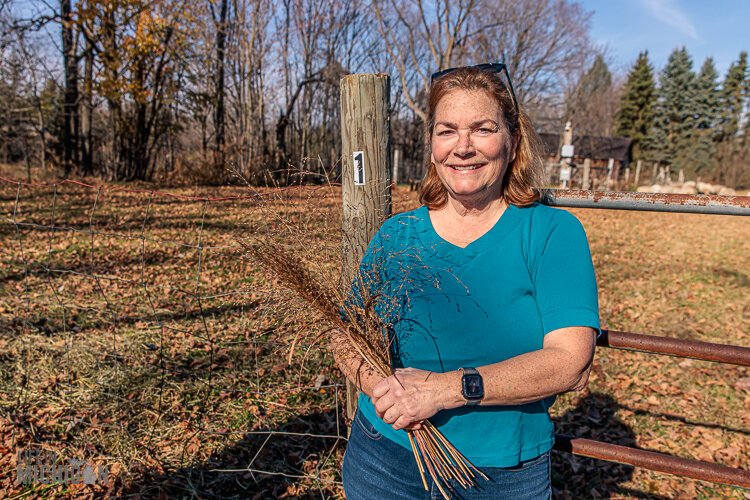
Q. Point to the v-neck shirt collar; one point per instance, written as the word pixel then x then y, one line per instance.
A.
pixel 443 248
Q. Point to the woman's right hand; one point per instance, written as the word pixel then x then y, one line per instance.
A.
pixel 408 397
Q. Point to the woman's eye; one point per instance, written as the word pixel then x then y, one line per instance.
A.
pixel 485 130
pixel 445 132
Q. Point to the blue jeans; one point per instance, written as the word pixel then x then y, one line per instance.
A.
pixel 375 467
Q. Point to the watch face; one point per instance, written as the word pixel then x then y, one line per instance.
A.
pixel 473 388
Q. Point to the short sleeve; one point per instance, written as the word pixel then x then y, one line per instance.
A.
pixel 564 277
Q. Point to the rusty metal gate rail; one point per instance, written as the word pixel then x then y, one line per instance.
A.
pixel 660 462
pixel 650 202
pixel 650 344
pixel 705 351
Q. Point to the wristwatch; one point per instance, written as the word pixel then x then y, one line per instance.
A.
pixel 472 386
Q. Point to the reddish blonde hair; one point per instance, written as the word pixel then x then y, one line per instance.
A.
pixel 527 168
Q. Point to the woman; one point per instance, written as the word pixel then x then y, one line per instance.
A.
pixel 492 300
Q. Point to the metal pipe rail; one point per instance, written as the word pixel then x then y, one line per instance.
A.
pixel 705 351
pixel 660 462
pixel 651 202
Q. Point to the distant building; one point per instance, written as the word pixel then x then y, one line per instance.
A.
pixel 598 149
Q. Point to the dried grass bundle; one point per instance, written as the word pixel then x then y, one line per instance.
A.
pixel 363 332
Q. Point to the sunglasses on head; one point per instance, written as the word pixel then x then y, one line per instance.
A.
pixel 488 67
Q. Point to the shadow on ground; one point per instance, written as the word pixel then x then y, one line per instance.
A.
pixel 284 457
pixel 594 417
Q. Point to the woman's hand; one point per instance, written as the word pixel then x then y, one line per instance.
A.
pixel 409 396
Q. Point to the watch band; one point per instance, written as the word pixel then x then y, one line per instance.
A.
pixel 467 370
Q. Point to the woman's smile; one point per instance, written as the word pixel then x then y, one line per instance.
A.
pixel 466 168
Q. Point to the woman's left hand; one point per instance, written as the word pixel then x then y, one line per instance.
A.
pixel 409 396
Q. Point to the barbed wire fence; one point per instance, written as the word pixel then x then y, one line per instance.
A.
pixel 136 336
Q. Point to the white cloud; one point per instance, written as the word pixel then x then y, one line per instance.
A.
pixel 669 13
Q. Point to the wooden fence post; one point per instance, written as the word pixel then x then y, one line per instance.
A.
pixel 396 163
pixel 365 174
pixel 587 174
pixel 610 167
pixel 637 173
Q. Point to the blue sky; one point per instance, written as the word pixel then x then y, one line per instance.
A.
pixel 717 28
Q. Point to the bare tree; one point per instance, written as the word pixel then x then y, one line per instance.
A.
pixel 29 96
pixel 545 44
pixel 41 99
pixel 308 35
pixel 420 40
pixel 141 50
pixel 247 53
pixel 219 96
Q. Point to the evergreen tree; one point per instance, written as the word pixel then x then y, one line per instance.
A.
pixel 743 176
pixel 707 106
pixel 590 106
pixel 676 117
pixel 734 94
pixel 708 98
pixel 635 115
pixel 597 79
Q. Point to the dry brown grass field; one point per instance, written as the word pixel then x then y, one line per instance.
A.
pixel 134 335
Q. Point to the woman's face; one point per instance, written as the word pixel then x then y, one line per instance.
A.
pixel 471 145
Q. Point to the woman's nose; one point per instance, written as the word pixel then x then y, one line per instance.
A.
pixel 464 145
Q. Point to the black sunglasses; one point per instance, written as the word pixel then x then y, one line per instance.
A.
pixel 490 68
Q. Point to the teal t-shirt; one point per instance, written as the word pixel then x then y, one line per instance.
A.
pixel 450 307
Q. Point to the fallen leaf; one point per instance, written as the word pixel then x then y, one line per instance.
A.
pixel 742 384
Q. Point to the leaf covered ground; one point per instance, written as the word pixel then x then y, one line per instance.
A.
pixel 134 335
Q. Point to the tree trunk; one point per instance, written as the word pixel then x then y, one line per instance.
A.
pixel 87 159
pixel 219 111
pixel 70 98
pixel 117 147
